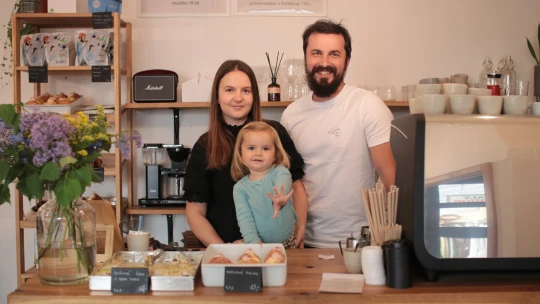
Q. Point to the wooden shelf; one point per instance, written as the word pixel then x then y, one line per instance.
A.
pixel 156 210
pixel 205 105
pixel 108 164
pixel 27 224
pixel 30 273
pixel 60 19
pixel 194 105
pixel 70 68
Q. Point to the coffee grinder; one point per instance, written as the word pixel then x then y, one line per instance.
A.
pixel 157 175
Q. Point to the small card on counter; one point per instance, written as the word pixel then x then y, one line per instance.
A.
pixel 129 280
pixel 342 283
pixel 101 73
pixel 243 279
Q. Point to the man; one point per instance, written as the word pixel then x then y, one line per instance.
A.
pixel 343 134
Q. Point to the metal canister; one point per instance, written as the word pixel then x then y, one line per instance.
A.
pixel 352 241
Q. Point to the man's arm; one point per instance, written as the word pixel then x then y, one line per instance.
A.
pixel 199 224
pixel 384 163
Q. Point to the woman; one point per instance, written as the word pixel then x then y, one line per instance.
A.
pixel 208 184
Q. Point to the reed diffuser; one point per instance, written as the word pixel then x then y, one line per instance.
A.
pixel 274 90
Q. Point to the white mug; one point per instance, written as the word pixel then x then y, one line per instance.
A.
pixel 138 242
pixel 536 108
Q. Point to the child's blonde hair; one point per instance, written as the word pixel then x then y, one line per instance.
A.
pixel 238 169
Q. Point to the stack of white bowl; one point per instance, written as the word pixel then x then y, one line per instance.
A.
pixel 458 98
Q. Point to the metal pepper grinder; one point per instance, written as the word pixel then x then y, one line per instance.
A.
pixel 365 237
pixel 352 241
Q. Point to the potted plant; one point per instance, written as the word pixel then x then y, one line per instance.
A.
pixel 48 152
pixel 536 67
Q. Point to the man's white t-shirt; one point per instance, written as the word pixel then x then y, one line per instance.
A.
pixel 333 138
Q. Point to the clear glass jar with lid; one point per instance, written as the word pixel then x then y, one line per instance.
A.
pixel 508 76
pixel 494 83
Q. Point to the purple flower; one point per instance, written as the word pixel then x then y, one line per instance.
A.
pixel 123 142
pixel 50 135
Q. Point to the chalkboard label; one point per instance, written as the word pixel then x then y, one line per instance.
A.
pixel 100 172
pixel 101 73
pixel 129 280
pixel 102 20
pixel 38 74
pixel 243 279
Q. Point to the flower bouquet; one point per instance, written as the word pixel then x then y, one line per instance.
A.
pixel 47 152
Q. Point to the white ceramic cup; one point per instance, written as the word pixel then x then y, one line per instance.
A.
pixel 515 104
pixel 536 108
pixel 462 104
pixel 490 105
pixel 434 104
pixel 353 260
pixel 138 242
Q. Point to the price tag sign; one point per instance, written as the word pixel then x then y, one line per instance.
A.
pixel 129 280
pixel 243 279
pixel 38 74
pixel 102 20
pixel 101 73
pixel 100 172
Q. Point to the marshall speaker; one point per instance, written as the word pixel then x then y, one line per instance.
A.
pixel 155 86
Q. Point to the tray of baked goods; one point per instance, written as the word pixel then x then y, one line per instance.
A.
pixel 60 103
pixel 168 270
pixel 272 258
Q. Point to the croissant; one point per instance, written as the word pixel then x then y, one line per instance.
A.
pixel 63 100
pixel 249 257
pixel 220 259
pixel 275 256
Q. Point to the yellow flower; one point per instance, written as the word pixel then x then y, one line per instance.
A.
pixel 82 153
pixel 87 138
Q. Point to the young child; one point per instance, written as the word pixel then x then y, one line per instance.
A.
pixel 260 167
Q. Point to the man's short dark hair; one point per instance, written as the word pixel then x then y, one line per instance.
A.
pixel 328 27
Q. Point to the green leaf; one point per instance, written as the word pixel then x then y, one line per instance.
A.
pixel 83 175
pixel 4 194
pixel 7 114
pixel 16 122
pixel 50 171
pixel 35 185
pixel 95 177
pixel 66 160
pixel 4 170
pixel 64 193
pixel 17 170
pixel 531 49
pixel 75 187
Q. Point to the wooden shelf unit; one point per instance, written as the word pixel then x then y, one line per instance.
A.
pixel 206 104
pixel 114 160
pixel 138 210
pixel 63 69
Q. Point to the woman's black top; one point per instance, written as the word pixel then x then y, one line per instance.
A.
pixel 215 187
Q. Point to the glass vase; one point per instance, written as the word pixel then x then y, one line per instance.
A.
pixel 274 91
pixel 66 242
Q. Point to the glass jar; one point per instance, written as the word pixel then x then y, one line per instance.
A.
pixel 29 6
pixel 175 185
pixel 66 238
pixel 487 66
pixel 494 83
pixel 274 91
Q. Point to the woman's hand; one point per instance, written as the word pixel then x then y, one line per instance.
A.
pixel 279 199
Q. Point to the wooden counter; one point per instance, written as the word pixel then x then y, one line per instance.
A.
pixel 303 280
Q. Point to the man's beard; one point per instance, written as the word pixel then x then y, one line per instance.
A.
pixel 324 88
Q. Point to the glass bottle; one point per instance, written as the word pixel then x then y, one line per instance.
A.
pixel 508 78
pixel 494 83
pixel 274 91
pixel 487 66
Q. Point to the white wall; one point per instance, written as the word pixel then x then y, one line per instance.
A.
pixel 394 42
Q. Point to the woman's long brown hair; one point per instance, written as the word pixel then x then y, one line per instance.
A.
pixel 220 143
